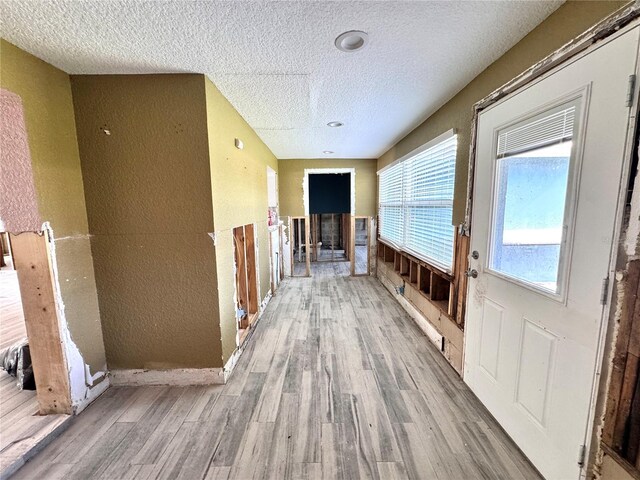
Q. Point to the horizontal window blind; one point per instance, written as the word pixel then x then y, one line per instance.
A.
pixel 391 212
pixel 416 203
pixel 546 130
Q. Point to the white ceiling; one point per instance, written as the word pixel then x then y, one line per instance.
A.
pixel 276 61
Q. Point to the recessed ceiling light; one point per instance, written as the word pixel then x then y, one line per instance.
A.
pixel 335 124
pixel 328 152
pixel 351 41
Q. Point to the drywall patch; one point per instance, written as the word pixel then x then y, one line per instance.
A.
pixel 19 207
pixel 81 380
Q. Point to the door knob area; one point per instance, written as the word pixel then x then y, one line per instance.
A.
pixel 472 272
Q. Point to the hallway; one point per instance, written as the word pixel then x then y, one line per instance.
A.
pixel 337 382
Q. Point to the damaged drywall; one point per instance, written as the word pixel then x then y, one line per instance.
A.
pixel 81 379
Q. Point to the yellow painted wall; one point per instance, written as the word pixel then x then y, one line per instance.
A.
pixel 46 97
pixel 150 216
pixel 291 175
pixel 239 187
pixel 564 24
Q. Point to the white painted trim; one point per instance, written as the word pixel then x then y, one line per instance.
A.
pixel 91 394
pixel 312 171
pixel 178 377
pixel 422 148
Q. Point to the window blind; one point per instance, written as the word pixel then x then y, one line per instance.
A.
pixel 546 130
pixel 416 203
pixel 391 213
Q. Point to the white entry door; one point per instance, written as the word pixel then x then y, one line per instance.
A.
pixel 548 179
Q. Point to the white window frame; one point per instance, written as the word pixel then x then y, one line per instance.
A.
pixel 405 204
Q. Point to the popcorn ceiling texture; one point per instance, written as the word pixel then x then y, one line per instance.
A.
pixel 276 62
pixel 18 205
pixel 562 26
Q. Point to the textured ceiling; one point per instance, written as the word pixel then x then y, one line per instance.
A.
pixel 276 61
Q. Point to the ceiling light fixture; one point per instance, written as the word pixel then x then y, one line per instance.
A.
pixel 335 124
pixel 351 41
pixel 327 152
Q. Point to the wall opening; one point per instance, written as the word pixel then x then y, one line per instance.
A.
pixel 247 302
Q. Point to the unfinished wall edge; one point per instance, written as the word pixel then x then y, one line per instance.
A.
pixel 81 380
pixel 176 377
pixel 228 368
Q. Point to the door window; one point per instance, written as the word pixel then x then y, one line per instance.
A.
pixel 532 178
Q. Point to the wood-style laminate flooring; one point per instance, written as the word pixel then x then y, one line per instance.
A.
pixel 21 429
pixel 337 382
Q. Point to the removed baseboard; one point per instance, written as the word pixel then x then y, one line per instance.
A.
pixel 180 377
pixel 235 356
pixel 430 331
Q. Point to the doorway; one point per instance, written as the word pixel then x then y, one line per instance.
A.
pixel 545 210
pixel 329 201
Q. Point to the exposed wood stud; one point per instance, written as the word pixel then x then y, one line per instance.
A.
pixel 33 262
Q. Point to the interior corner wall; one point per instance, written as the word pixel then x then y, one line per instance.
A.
pixel 291 176
pixel 239 187
pixel 567 22
pixel 45 92
pixel 145 163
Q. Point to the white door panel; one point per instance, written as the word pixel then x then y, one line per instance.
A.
pixel 534 318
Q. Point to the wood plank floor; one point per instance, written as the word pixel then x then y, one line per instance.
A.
pixel 337 382
pixel 14 403
pixel 12 328
pixel 337 267
pixel 20 428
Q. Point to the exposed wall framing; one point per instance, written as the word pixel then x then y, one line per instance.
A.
pixel 247 301
pixel 300 235
pixel 621 431
pixel 35 275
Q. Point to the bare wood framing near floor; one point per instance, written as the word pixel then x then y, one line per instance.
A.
pixel 33 263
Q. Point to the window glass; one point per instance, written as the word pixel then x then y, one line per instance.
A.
pixel 528 225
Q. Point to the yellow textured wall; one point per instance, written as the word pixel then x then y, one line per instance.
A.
pixel 564 24
pixel 150 215
pixel 239 187
pixel 291 175
pixel 46 97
